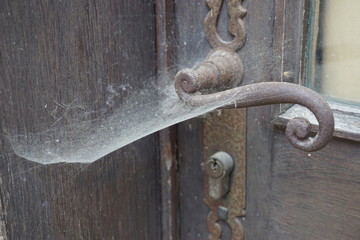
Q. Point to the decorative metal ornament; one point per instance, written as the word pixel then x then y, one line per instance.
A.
pixel 236 24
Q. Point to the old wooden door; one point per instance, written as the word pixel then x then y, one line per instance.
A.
pixel 58 57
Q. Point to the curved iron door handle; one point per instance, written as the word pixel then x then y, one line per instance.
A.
pixel 223 69
pixel 297 129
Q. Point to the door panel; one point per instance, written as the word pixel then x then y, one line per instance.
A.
pixel 192 46
pixel 64 55
pixel 315 195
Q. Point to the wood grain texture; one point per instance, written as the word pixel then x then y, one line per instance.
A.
pixel 292 42
pixel 165 46
pixel 279 25
pixel 193 210
pixel 293 194
pixel 259 59
pixel 315 195
pixel 69 52
pixel 191 47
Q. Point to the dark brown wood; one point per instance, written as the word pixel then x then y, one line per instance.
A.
pixel 315 195
pixel 191 47
pixel 165 46
pixel 69 52
pixel 258 63
pixel 193 210
pixel 169 184
pixel 293 194
pixel 292 43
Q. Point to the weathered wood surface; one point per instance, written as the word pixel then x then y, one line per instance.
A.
pixel 276 28
pixel 165 46
pixel 293 194
pixel 315 195
pixel 191 46
pixel 71 51
pixel 259 60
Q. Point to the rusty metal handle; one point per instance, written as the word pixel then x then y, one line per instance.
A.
pixel 297 129
pixel 223 69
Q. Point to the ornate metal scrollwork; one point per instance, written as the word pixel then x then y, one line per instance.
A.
pixel 236 24
pixel 223 69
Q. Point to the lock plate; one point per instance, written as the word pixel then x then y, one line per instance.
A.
pixel 225 130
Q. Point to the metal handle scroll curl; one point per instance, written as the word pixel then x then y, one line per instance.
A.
pixel 297 129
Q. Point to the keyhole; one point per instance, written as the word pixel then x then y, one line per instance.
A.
pixel 214 166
